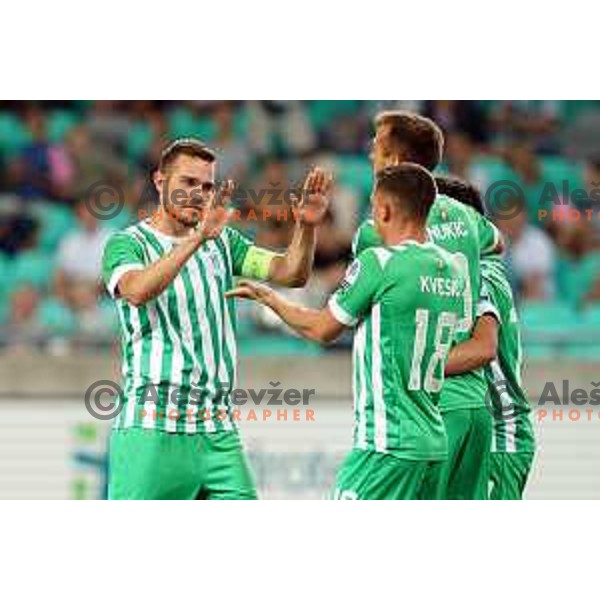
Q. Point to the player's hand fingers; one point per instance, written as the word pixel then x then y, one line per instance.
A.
pixel 226 192
pixel 309 182
pixel 328 183
pixel 239 292
pixel 319 180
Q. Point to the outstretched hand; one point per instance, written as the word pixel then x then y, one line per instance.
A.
pixel 250 290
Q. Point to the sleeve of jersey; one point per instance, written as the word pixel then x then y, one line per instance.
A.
pixel 355 293
pixel 489 236
pixel 247 259
pixel 121 255
pixel 486 304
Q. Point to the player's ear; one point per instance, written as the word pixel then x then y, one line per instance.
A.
pixel 159 179
pixel 386 212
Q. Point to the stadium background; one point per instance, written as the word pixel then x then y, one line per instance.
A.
pixel 58 331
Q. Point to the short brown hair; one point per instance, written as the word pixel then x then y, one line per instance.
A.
pixel 185 147
pixel 410 186
pixel 418 138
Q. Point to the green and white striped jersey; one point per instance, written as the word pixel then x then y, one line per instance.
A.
pixel 179 350
pixel 405 302
pixel 461 230
pixel 513 431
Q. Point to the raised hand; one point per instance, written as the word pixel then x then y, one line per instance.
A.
pixel 313 205
pixel 215 215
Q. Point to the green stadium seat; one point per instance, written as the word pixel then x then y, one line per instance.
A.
pixel 59 123
pixel 33 267
pixel 55 221
pixel 575 278
pixel 13 135
pixel 183 123
pixel 549 314
pixel 322 112
pixel 56 318
pixel 6 272
pixel 355 173
pixel 547 328
pixel 139 140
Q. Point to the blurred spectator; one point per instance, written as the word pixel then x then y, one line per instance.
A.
pixel 78 264
pixel 233 152
pixel 578 262
pixel 23 326
pixel 460 156
pixel 37 171
pixel 459 115
pixel 280 127
pixel 530 256
pixel 50 151
pixel 534 121
pixel 526 165
pixel 90 162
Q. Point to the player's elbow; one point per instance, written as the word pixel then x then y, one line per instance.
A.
pixel 488 351
pixel 295 279
pixel 134 297
pixel 323 335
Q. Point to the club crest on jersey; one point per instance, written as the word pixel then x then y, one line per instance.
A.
pixel 212 256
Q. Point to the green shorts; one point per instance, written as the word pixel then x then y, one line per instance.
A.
pixel 508 474
pixel 465 473
pixel 368 475
pixel 146 464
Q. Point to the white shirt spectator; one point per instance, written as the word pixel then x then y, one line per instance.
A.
pixel 80 253
pixel 533 258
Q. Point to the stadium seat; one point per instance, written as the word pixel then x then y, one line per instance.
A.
pixel 558 169
pixel 575 278
pixel 548 327
pixel 322 112
pixel 55 221
pixel 59 123
pixel 355 173
pixel 139 140
pixel 6 269
pixel 547 314
pixel 33 267
pixel 13 136
pixel 55 318
pixel 182 123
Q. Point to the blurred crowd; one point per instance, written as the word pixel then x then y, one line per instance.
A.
pixel 51 153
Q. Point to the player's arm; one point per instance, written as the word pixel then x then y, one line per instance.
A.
pixel 141 286
pixel 318 325
pixel 345 307
pixel 478 350
pixel 292 268
pixel 482 347
pixel 127 276
pixel 490 238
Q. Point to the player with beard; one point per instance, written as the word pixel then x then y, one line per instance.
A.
pixel 407 137
pixel 174 437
